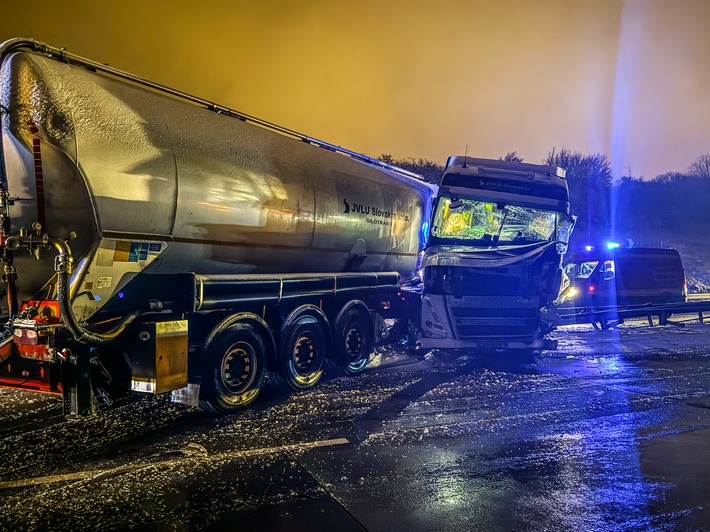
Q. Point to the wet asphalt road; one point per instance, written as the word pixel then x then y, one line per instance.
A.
pixel 610 432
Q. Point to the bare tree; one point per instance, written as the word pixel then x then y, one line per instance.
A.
pixel 701 166
pixel 589 179
pixel 429 170
pixel 511 156
pixel 673 177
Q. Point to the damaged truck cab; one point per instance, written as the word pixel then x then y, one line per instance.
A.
pixel 492 269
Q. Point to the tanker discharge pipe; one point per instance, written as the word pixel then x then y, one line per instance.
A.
pixel 63 268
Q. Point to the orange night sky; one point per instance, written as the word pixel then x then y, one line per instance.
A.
pixel 418 78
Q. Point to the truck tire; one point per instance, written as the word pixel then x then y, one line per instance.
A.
pixel 353 339
pixel 235 365
pixel 302 351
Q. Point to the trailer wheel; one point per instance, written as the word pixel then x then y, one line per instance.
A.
pixel 353 339
pixel 235 358
pixel 304 341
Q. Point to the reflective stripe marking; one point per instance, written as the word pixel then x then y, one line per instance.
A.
pixel 39 181
pixel 249 245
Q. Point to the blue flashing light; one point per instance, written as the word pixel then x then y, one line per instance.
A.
pixel 612 245
pixel 588 248
pixel 425 233
pixel 120 295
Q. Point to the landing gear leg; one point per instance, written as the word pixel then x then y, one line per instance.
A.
pixel 76 385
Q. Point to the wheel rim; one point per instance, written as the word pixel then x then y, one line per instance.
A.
pixel 239 368
pixel 354 342
pixel 304 355
pixel 355 346
pixel 304 368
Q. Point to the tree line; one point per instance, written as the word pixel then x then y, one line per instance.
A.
pixel 650 212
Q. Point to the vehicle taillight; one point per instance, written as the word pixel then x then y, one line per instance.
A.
pixel 591 289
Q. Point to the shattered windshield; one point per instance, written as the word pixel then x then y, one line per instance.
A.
pixel 497 224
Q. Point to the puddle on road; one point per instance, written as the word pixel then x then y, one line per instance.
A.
pixel 681 462
pixel 578 366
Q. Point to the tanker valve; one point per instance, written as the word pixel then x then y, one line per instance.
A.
pixel 33 242
pixel 65 355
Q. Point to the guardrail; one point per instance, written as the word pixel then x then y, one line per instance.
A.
pixel 607 317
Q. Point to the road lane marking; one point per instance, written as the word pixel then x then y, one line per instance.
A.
pixel 96 474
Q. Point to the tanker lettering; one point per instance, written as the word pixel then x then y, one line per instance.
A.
pixel 359 208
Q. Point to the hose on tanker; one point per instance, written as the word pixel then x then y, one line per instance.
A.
pixel 11 289
pixel 62 266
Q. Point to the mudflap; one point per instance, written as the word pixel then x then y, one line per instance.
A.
pixel 381 329
pixel 77 394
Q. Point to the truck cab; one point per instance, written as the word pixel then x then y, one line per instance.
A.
pixel 492 267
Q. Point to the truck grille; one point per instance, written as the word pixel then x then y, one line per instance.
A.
pixel 493 316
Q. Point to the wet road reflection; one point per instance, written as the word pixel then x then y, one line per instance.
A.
pixel 609 432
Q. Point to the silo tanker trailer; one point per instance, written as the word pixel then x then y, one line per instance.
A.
pixel 156 242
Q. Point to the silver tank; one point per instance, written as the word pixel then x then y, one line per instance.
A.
pixel 153 181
